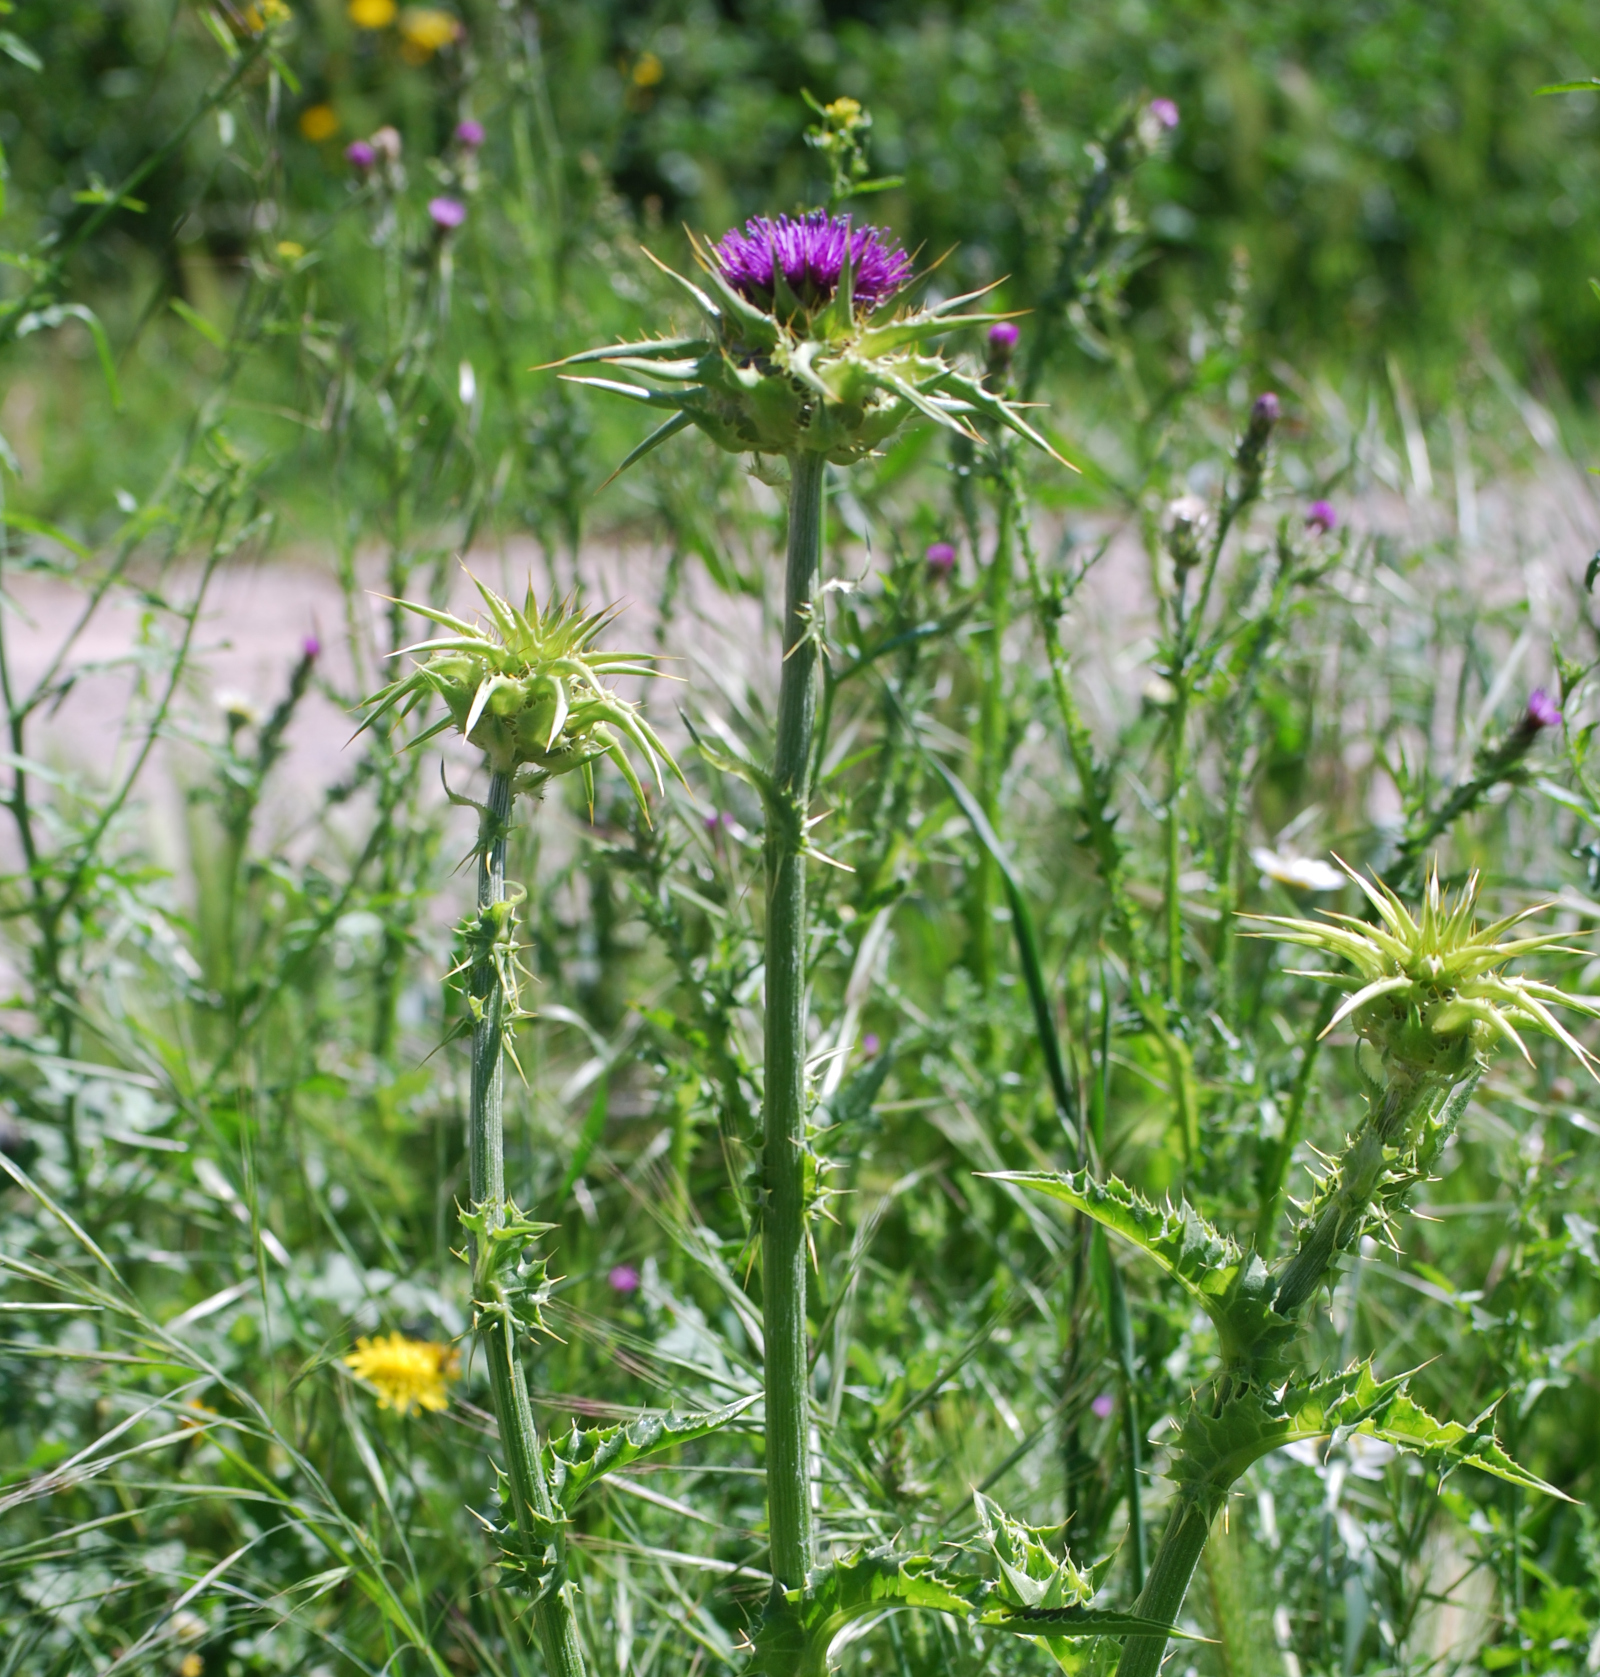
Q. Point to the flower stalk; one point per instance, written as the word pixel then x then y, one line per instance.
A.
pixel 783 1236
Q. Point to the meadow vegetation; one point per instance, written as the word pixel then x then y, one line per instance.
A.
pixel 868 1110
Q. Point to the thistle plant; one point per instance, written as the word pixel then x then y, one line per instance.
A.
pixel 1431 999
pixel 528 689
pixel 807 353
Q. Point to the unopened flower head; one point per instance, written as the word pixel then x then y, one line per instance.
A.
pixel 806 257
pixel 527 688
pixel 406 1373
pixel 1429 990
pixel 941 560
pixel 446 213
pixel 806 347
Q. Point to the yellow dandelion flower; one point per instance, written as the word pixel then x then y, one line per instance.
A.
pixel 372 14
pixel 290 250
pixel 191 1665
pixel 319 122
pixel 648 71
pixel 407 1373
pixel 426 29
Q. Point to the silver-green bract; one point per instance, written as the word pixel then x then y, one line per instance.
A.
pixel 528 689
pixel 835 380
pixel 1430 990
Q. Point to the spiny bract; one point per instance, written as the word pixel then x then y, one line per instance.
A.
pixel 1431 993
pixel 526 689
pixel 832 369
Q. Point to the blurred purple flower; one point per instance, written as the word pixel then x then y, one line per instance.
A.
pixel 447 213
pixel 1103 1405
pixel 717 820
pixel 1542 710
pixel 1003 335
pixel 359 155
pixel 1266 408
pixel 870 1044
pixel 941 558
pixel 1165 111
pixel 1321 516
pixel 310 648
pixel 810 254
pixel 624 1279
pixel 469 134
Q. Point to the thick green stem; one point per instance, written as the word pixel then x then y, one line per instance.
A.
pixel 531 1505
pixel 783 1233
pixel 1162 1597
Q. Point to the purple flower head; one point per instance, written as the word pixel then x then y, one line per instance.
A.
pixel 469 134
pixel 870 1044
pixel 1165 111
pixel 447 213
pixel 810 254
pixel 1266 408
pixel 310 648
pixel 359 155
pixel 717 820
pixel 624 1279
pixel 1003 335
pixel 941 557
pixel 1321 516
pixel 1103 1405
pixel 1542 710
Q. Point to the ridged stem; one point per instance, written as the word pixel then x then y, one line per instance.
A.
pixel 1162 1597
pixel 531 1505
pixel 783 1233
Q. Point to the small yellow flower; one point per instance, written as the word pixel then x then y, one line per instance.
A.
pixel 290 251
pixel 426 29
pixel 191 1665
pixel 372 14
pixel 260 17
pixel 319 122
pixel 648 71
pixel 407 1373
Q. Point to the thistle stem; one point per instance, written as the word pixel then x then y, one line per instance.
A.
pixel 1182 1544
pixel 783 1233
pixel 992 735
pixel 530 1502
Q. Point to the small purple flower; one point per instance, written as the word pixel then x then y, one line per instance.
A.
pixel 1165 111
pixel 870 1045
pixel 1321 516
pixel 1542 710
pixel 360 156
pixel 447 213
pixel 718 820
pixel 1103 1405
pixel 1266 408
pixel 469 134
pixel 1003 335
pixel 310 648
pixel 941 558
pixel 810 254
pixel 624 1279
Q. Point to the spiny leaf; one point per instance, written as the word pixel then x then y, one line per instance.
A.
pixel 582 1458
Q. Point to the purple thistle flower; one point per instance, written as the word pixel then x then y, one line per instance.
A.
pixel 310 648
pixel 447 213
pixel 870 1044
pixel 359 155
pixel 1321 516
pixel 941 558
pixel 1003 335
pixel 624 1279
pixel 810 254
pixel 1542 710
pixel 1165 111
pixel 1103 1405
pixel 469 134
pixel 1266 408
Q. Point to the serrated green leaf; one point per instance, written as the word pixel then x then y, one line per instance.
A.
pixel 578 1461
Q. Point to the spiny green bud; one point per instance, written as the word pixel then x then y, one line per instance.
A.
pixel 1430 992
pixel 527 689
